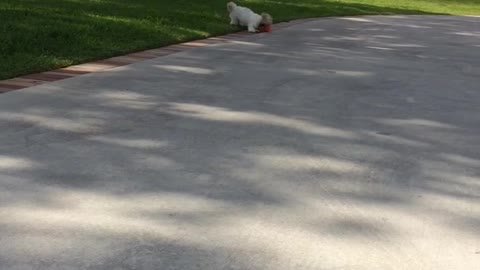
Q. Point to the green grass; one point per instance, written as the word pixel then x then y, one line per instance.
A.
pixel 38 35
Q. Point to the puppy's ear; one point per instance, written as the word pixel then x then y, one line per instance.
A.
pixel 266 18
pixel 231 6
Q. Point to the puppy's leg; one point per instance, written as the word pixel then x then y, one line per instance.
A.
pixel 251 28
pixel 233 20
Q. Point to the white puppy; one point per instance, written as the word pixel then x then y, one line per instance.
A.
pixel 246 17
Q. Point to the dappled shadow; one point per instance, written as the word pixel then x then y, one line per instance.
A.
pixel 312 152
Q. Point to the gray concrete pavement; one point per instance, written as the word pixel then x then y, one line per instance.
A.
pixel 343 143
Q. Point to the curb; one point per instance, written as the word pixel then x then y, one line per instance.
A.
pixel 35 79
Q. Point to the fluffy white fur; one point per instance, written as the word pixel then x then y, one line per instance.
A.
pixel 246 17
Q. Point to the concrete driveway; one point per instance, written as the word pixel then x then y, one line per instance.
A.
pixel 342 143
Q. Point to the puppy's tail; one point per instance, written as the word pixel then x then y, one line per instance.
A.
pixel 231 6
pixel 267 19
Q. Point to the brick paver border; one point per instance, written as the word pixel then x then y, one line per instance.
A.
pixel 118 61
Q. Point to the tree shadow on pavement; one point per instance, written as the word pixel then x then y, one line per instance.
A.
pixel 206 164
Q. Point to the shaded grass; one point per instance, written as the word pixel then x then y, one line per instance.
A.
pixel 38 35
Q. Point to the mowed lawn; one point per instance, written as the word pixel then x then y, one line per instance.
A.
pixel 38 35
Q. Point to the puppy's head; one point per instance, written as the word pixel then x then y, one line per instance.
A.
pixel 231 6
pixel 266 19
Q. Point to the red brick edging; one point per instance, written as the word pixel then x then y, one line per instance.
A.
pixel 118 61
